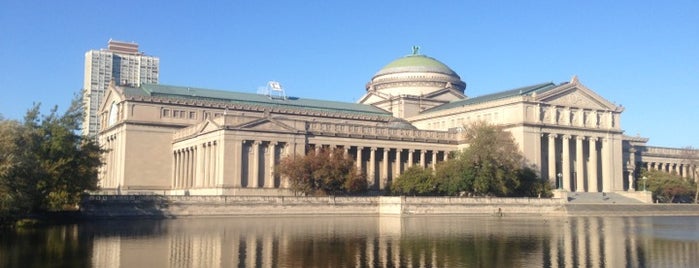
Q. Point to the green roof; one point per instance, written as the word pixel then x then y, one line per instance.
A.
pixel 538 88
pixel 182 92
pixel 416 63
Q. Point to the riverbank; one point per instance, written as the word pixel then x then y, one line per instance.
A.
pixel 152 206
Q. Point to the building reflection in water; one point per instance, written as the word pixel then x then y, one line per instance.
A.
pixel 401 242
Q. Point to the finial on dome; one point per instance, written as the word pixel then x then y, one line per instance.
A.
pixel 415 50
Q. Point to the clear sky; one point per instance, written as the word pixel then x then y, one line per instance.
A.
pixel 643 55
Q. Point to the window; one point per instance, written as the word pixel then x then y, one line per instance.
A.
pixel 192 115
pixel 166 112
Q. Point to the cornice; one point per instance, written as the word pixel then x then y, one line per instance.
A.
pixel 259 108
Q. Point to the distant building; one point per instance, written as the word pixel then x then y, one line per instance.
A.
pixel 120 63
pixel 187 140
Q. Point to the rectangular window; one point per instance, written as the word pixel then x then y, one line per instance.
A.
pixel 192 115
pixel 166 112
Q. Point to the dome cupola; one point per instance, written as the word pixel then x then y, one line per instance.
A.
pixel 415 74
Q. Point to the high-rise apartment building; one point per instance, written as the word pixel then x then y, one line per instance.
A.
pixel 120 63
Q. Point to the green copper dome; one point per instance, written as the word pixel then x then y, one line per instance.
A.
pixel 416 63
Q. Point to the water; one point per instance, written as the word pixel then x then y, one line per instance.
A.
pixel 360 242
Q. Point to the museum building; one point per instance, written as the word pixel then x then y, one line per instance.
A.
pixel 184 140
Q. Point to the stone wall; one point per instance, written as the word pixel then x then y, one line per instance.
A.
pixel 156 206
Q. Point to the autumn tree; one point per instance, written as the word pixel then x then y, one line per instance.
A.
pixel 44 163
pixel 668 188
pixel 322 172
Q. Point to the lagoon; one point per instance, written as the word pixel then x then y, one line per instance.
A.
pixel 359 241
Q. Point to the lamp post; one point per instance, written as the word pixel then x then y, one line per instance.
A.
pixel 644 183
pixel 560 180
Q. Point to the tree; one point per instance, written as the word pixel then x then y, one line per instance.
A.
pixel 44 164
pixel 416 180
pixel 690 157
pixel 490 165
pixel 668 188
pixel 322 172
pixel 453 177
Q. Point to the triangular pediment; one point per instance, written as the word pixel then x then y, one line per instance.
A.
pixel 208 126
pixel 371 97
pixel 112 94
pixel 445 95
pixel 576 95
pixel 267 125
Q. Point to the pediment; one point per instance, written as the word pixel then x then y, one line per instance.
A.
pixel 267 125
pixel 208 126
pixel 576 95
pixel 112 94
pixel 371 97
pixel 446 95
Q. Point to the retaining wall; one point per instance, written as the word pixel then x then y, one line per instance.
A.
pixel 100 206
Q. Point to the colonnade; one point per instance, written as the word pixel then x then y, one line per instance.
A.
pixel 579 163
pixel 254 161
pixel 686 170
pixel 195 166
pixel 257 161
pixel 383 164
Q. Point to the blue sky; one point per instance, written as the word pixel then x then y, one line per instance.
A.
pixel 643 55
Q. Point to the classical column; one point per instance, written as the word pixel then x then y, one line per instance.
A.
pixel 269 178
pixel 359 159
pixel 214 164
pixel 197 166
pixel 286 152
pixel 204 165
pixel 552 158
pixel 579 167
pixel 180 169
pixel 423 154
pixel 592 166
pixel 396 164
pixel 185 178
pixel 566 162
pixel 607 175
pixel 685 171
pixel 445 156
pixel 675 169
pixel 384 169
pixel 434 159
pixel 174 169
pixel 372 168
pixel 410 157
pixel 238 164
pixel 254 180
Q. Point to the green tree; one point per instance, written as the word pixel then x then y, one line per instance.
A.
pixel 453 177
pixel 690 157
pixel 668 188
pixel 322 172
pixel 44 164
pixel 415 180
pixel 490 165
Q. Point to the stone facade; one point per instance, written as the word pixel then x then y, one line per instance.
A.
pixel 191 141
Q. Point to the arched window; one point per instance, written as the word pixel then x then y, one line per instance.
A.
pixel 112 114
